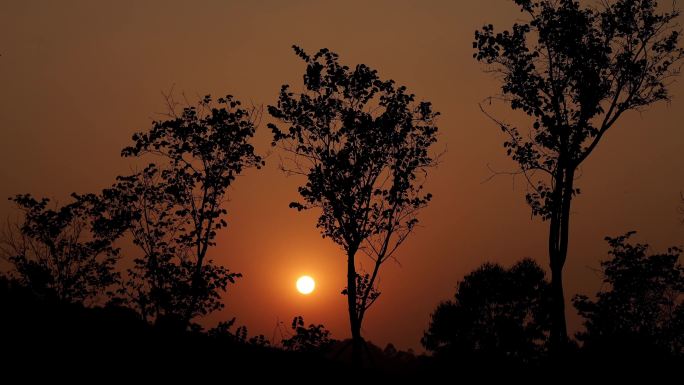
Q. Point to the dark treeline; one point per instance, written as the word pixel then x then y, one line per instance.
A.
pixel 129 271
pixel 502 315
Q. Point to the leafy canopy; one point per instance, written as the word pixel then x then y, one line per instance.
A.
pixel 642 303
pixel 574 71
pixel 496 312
pixel 179 204
pixel 362 144
pixel 58 253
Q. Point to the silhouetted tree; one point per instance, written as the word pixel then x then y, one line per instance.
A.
pixel 574 71
pixel 642 309
pixel 307 339
pixel 203 149
pixel 158 282
pixel 363 145
pixel 56 253
pixel 497 313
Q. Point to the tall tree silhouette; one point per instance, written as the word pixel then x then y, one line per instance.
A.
pixel 575 71
pixel 56 253
pixel 642 310
pixel 203 149
pixel 497 313
pixel 363 145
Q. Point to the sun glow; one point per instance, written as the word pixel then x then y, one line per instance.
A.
pixel 305 284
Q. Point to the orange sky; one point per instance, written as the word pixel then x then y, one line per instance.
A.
pixel 78 78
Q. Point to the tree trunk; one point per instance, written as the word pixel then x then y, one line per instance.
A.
pixel 195 286
pixel 354 323
pixel 558 250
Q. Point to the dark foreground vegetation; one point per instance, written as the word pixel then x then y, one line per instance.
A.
pixel 496 326
pixel 46 340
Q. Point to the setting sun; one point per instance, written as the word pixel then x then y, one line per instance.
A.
pixel 305 284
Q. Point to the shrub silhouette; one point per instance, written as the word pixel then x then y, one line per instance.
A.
pixel 497 313
pixel 641 310
pixel 313 338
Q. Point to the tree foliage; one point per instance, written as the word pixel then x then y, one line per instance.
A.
pixel 575 71
pixel 497 313
pixel 157 283
pixel 641 307
pixel 240 335
pixel 56 253
pixel 175 208
pixel 307 339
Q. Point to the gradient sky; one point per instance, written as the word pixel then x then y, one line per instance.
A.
pixel 77 78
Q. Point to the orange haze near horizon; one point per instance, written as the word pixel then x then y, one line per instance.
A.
pixel 78 78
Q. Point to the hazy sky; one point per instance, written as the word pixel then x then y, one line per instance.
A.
pixel 77 78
